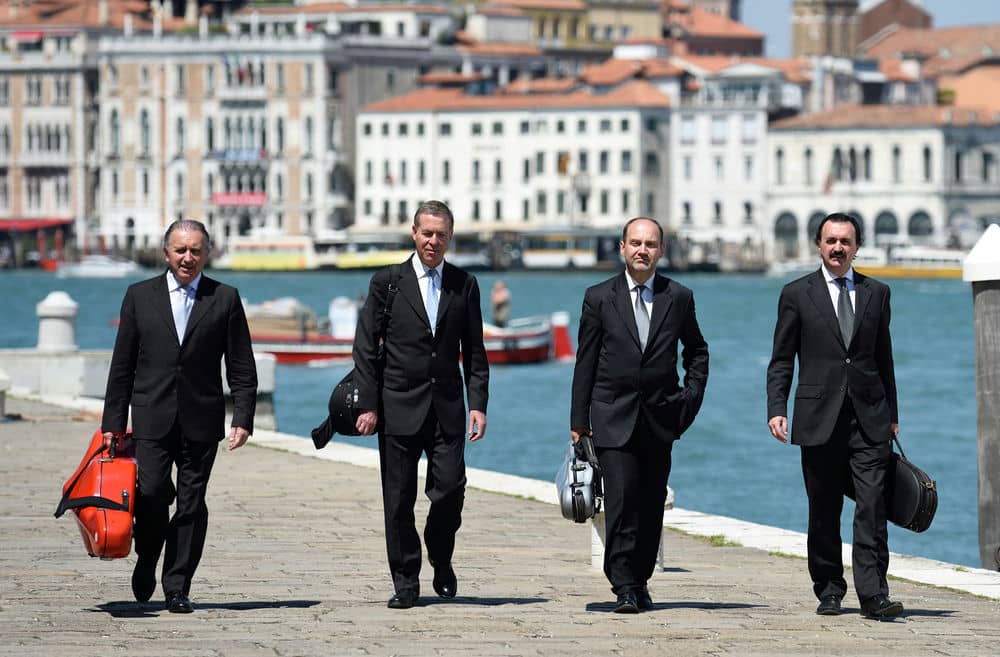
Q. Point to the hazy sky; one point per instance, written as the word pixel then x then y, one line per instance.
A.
pixel 772 18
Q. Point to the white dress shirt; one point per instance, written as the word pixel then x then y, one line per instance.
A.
pixel 834 287
pixel 421 271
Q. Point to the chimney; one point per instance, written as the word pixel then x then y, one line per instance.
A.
pixel 102 12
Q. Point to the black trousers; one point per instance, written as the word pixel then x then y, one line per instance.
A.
pixel 445 488
pixel 635 488
pixel 184 533
pixel 849 455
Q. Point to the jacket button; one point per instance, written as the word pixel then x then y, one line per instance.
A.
pixel 434 354
pixel 433 380
pixel 847 360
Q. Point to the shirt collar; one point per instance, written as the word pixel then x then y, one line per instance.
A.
pixel 632 282
pixel 173 284
pixel 421 271
pixel 830 278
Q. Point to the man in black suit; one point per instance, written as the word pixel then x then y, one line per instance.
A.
pixel 836 321
pixel 627 395
pixel 174 331
pixel 415 396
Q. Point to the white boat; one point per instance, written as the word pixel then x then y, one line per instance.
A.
pixel 98 266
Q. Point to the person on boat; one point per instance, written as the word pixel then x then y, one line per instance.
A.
pixel 500 302
pixel 628 397
pixel 173 334
pixel 835 322
pixel 419 338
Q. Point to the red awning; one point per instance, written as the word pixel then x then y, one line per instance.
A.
pixel 26 36
pixel 22 225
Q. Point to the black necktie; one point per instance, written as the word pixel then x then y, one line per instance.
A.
pixel 845 312
pixel 641 316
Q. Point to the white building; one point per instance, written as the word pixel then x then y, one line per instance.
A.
pixel 516 160
pixel 910 174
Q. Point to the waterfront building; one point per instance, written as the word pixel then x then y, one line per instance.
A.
pixel 825 27
pixel 709 28
pixel 922 175
pixel 520 159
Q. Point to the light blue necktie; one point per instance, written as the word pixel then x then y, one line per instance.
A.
pixel 182 311
pixel 431 302
pixel 641 316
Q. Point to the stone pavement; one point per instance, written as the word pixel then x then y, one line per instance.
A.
pixel 295 566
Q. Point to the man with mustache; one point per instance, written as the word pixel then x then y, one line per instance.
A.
pixel 413 396
pixel 628 397
pixel 836 322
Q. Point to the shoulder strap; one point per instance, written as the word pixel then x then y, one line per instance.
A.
pixel 393 287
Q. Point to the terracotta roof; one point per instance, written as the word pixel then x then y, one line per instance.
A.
pixel 794 70
pixel 978 87
pixel 78 13
pixel 660 68
pixel 611 71
pixel 637 93
pixel 889 116
pixel 947 49
pixel 697 21
pixel 511 49
pixel 499 9
pixel 893 70
pixel 339 7
pixel 564 5
pixel 540 86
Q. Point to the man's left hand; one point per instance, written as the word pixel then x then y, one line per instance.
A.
pixel 477 425
pixel 238 437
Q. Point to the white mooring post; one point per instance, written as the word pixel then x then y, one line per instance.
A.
pixel 982 269
pixel 57 323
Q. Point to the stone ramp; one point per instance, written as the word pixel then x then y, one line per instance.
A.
pixel 295 566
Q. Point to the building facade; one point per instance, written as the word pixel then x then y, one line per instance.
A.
pixel 825 27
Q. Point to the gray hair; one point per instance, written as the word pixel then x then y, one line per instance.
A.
pixel 437 209
pixel 187 224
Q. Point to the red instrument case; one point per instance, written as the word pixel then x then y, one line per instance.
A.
pixel 101 494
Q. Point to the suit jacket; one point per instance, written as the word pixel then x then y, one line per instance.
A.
pixel 614 380
pixel 164 380
pixel 829 370
pixel 421 369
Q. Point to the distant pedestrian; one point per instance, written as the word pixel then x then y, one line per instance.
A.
pixel 835 321
pixel 500 302
pixel 628 396
pixel 174 332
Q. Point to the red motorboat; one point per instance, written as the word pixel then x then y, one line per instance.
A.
pixel 289 331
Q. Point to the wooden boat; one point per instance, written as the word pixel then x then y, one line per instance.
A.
pixel 290 331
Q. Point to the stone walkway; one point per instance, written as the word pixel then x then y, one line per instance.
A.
pixel 295 566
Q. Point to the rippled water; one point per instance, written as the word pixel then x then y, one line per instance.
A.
pixel 727 464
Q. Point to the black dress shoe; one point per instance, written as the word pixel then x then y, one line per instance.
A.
pixel 445 582
pixel 143 581
pixel 403 600
pixel 880 606
pixel 643 601
pixel 829 605
pixel 627 603
pixel 178 603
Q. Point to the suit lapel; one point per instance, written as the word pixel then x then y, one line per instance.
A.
pixel 862 296
pixel 820 297
pixel 621 298
pixel 662 300
pixel 161 301
pixel 408 288
pixel 203 300
pixel 448 291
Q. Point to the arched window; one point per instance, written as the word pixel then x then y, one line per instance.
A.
pixel 837 165
pixel 786 236
pixel 115 133
pixel 897 164
pixel 779 166
pixel 814 221
pixel 145 132
pixel 866 164
pixel 920 225
pixel 928 170
pixel 807 168
pixel 885 224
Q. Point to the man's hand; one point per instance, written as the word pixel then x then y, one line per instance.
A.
pixel 779 427
pixel 576 434
pixel 238 437
pixel 366 423
pixel 110 436
pixel 477 425
pixel 895 429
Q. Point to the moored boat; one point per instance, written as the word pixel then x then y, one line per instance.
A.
pixel 98 266
pixel 291 332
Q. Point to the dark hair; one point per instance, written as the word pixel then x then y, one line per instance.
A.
pixel 841 217
pixel 437 209
pixel 635 219
pixel 187 224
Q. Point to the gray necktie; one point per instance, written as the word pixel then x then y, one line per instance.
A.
pixel 431 303
pixel 182 311
pixel 845 312
pixel 641 316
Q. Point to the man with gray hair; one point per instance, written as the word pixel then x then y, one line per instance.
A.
pixel 174 331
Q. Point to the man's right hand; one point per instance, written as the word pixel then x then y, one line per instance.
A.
pixel 366 423
pixel 576 434
pixel 779 427
pixel 109 437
